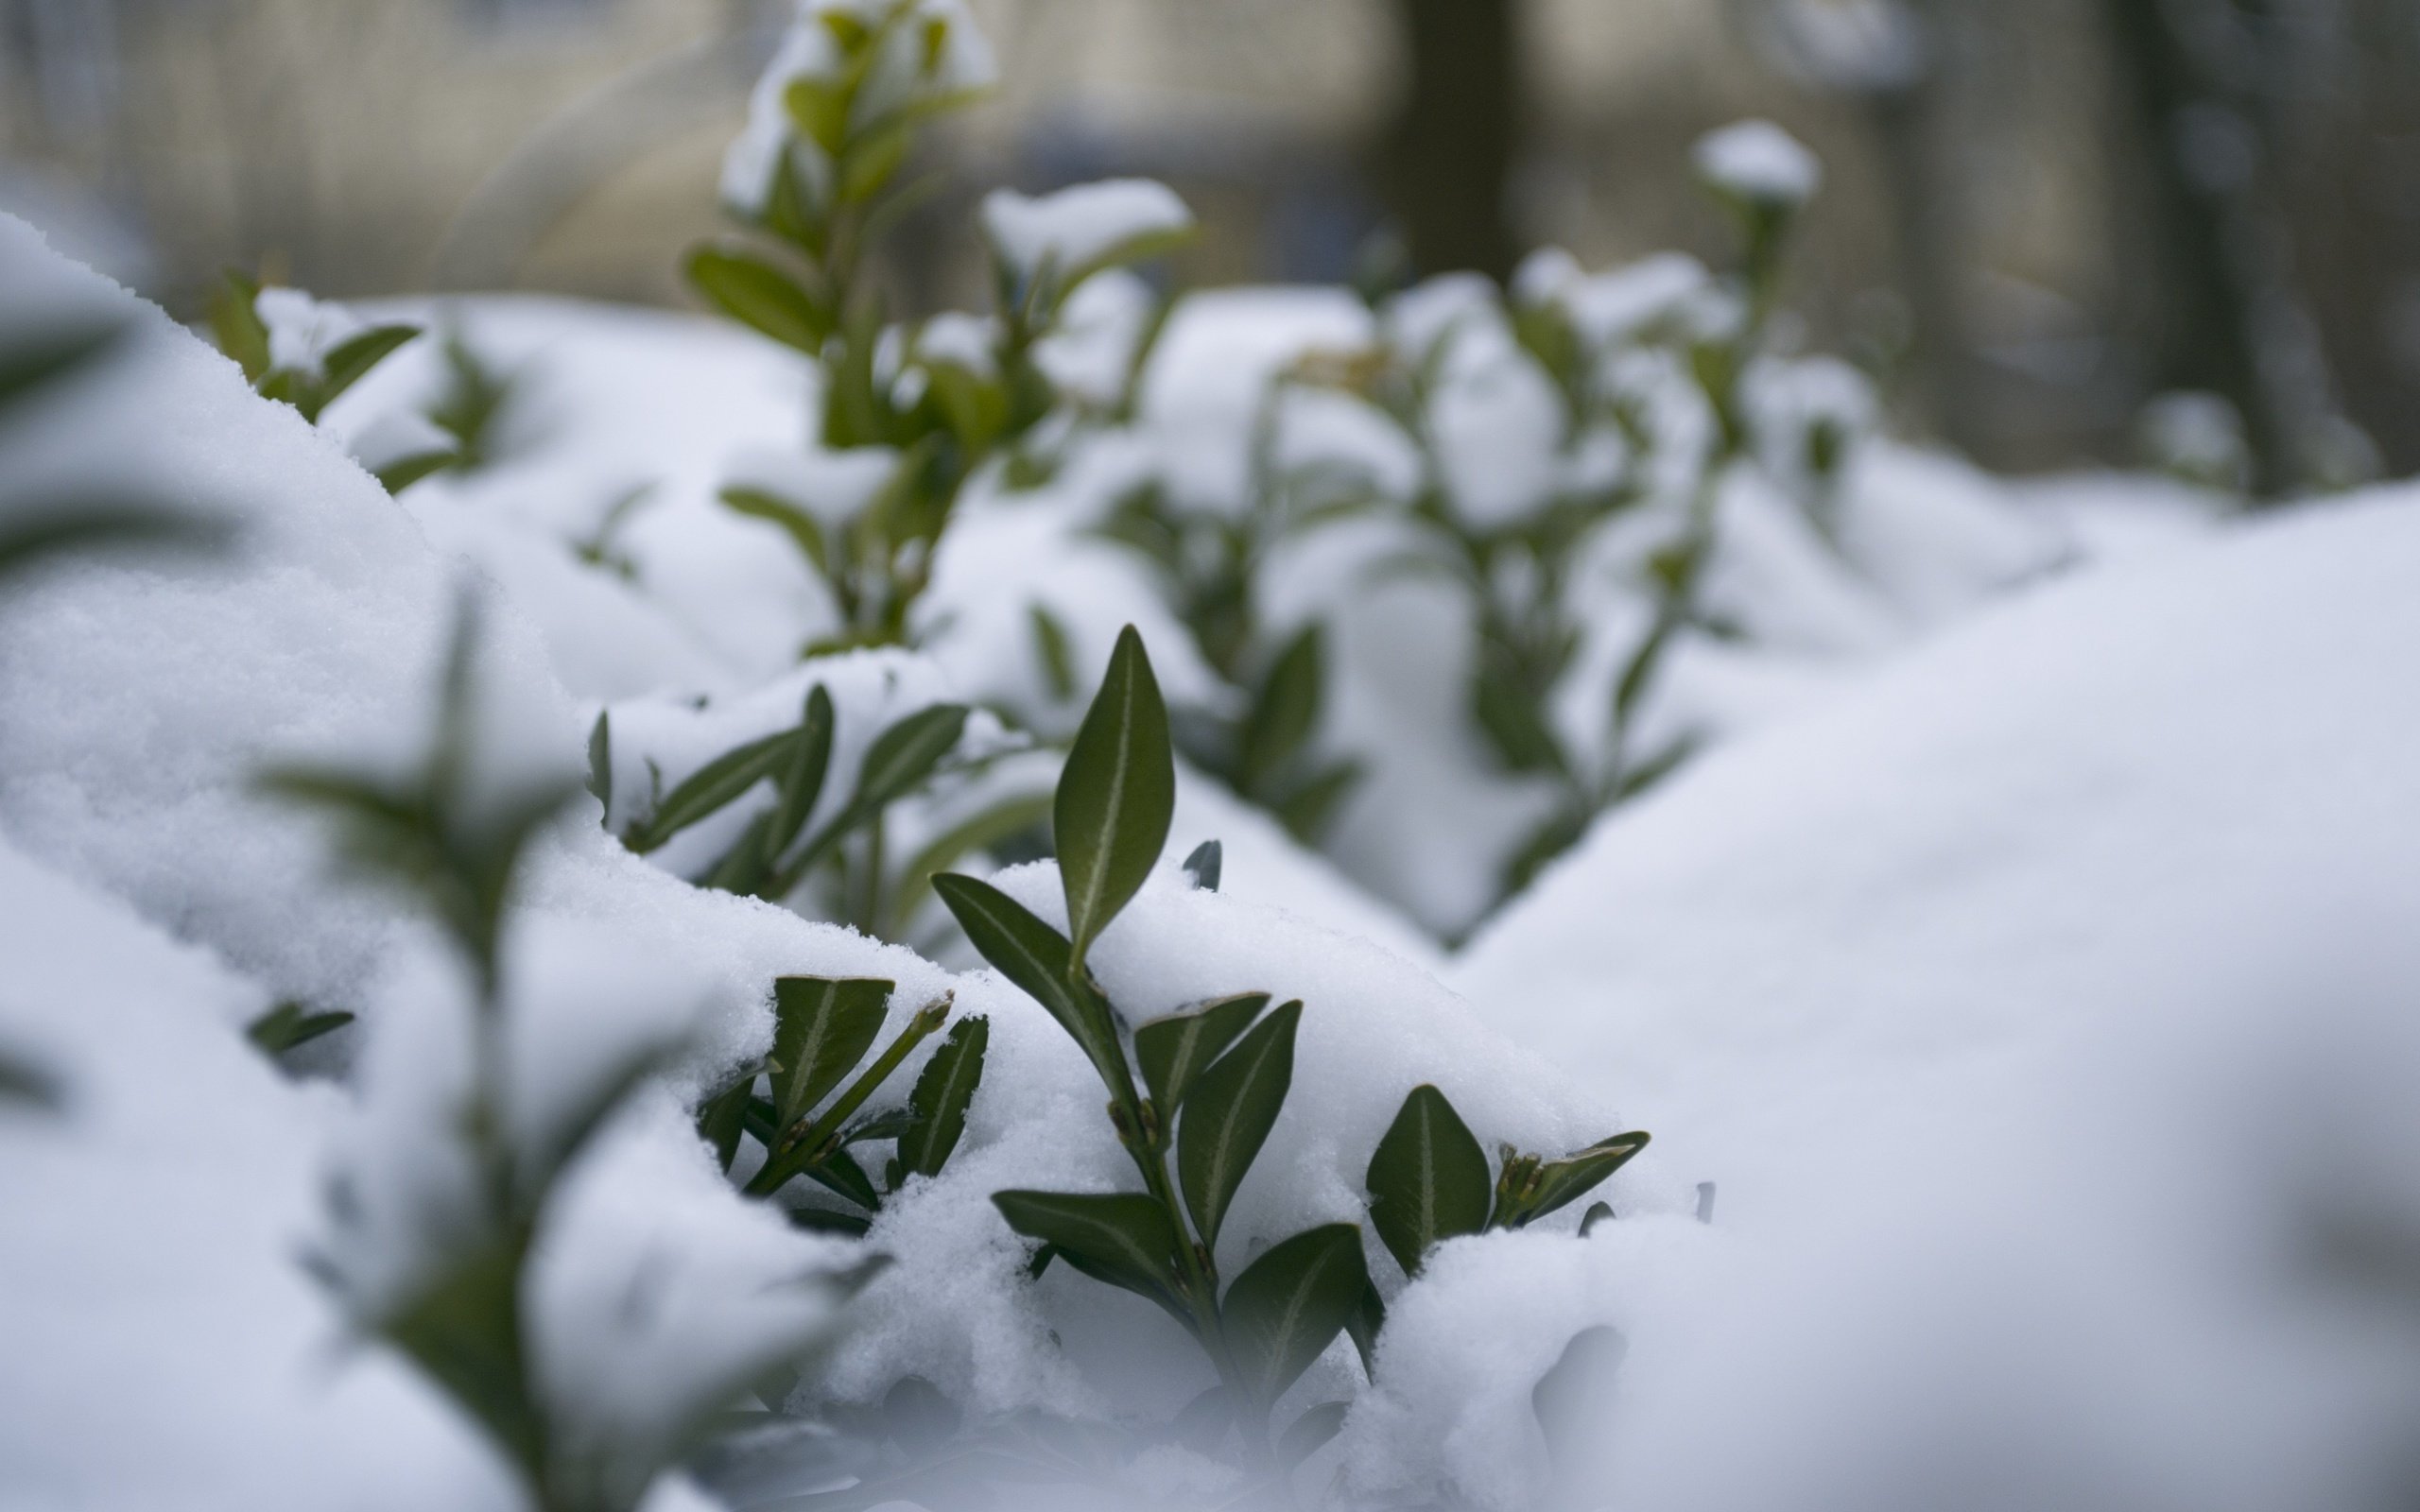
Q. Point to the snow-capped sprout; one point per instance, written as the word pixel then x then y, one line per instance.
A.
pixel 1067 235
pixel 1622 304
pixel 845 72
pixel 1807 415
pixel 1421 315
pixel 832 487
pixel 1495 425
pixel 968 341
pixel 297 349
pixel 2198 437
pixel 1759 165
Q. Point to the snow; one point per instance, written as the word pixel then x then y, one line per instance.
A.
pixel 1074 230
pixel 1760 163
pixel 303 331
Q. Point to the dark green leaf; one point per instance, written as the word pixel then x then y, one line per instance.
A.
pixel 404 472
pixel 840 1172
pixel 743 868
pixel 803 527
pixel 1597 1212
pixel 1283 1311
pixel 829 1221
pixel 1116 795
pixel 1172 1050
pixel 993 827
pixel 758 295
pixel 1363 1326
pixel 823 1026
pixel 30 537
pixel 1122 1238
pixel 902 757
pixel 1307 1434
pixel 887 1125
pixel 1051 648
pixel 1427 1179
pixel 1035 956
pixel 600 761
pixel 1205 863
pixel 801 780
pixel 1228 1114
pixel 353 358
pixel 943 1093
pixel 1573 1177
pixel 712 787
pixel 236 325
pixel 723 1117
pixel 1284 712
pixel 1514 725
pixel 1306 810
pixel 464 1329
pixel 289 1024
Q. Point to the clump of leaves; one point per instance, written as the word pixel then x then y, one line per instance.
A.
pixel 443 839
pixel 1193 1097
pixel 940 398
pixel 842 867
pixel 796 1110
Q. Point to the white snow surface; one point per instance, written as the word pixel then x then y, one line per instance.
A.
pixel 1759 162
pixel 1076 228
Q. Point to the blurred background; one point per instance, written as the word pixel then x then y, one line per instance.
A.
pixel 2038 214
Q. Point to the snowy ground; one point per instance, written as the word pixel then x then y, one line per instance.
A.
pixel 2025 964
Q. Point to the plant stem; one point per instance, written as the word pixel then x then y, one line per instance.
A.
pixel 796 1155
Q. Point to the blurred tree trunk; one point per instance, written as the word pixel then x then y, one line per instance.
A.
pixel 1449 152
pixel 2208 296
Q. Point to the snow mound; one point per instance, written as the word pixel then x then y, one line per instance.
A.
pixel 2044 819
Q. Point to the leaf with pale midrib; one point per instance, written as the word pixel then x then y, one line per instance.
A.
pixel 1123 1238
pixel 1428 1178
pixel 1035 956
pixel 941 1098
pixel 1228 1115
pixel 1283 1311
pixel 1116 795
pixel 1172 1050
pixel 823 1026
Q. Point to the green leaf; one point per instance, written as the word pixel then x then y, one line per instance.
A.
pixel 1116 795
pixel 1035 956
pixel 942 1095
pixel 1563 1181
pixel 353 359
pixel 1051 648
pixel 1004 820
pixel 801 781
pixel 871 160
pixel 804 529
pixel 1597 1212
pixel 840 1172
pixel 1363 1326
pixel 1122 1238
pixel 723 1117
pixel 760 295
pixel 743 868
pixel 902 757
pixel 1307 1434
pixel 1427 1179
pixel 1228 1114
pixel 236 326
pixel 1306 810
pixel 32 537
pixel 828 1221
pixel 1172 1050
pixel 1284 712
pixel 289 1024
pixel 404 472
pixel 464 1331
pixel 600 761
pixel 713 786
pixel 1281 1311
pixel 820 110
pixel 1205 863
pixel 823 1026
